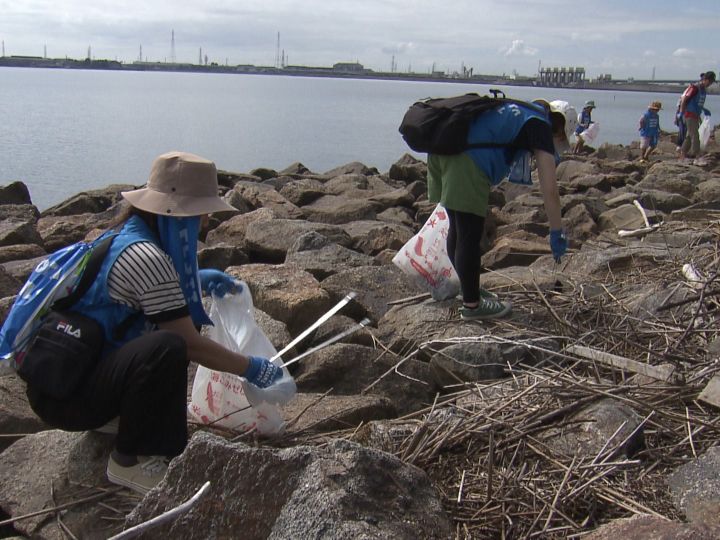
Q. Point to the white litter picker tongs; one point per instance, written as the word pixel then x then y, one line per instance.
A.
pixel 341 304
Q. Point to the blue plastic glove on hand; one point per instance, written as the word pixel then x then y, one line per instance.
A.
pixel 558 243
pixel 218 283
pixel 262 372
pixel 706 112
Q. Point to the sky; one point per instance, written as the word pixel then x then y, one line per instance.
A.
pixel 622 38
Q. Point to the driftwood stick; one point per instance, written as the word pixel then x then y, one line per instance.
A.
pixel 60 507
pixel 163 518
pixel 491 466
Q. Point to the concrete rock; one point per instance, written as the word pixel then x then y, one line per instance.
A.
pixel 321 257
pixel 375 287
pixel 249 196
pixel 303 192
pixel 339 491
pixel 285 292
pixel 340 209
pixel 696 488
pixel 270 240
pixel 15 193
pixel 588 431
pixel 372 237
pixel 16 416
pixel 648 527
pixel 232 232
pixel 320 413
pixel 350 369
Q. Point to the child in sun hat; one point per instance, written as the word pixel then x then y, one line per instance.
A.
pixel 583 124
pixel 649 130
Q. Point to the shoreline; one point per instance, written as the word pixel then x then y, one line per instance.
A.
pixel 673 87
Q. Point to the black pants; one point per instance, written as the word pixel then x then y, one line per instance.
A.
pixel 463 246
pixel 144 383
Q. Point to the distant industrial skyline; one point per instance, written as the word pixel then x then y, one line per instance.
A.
pixel 626 39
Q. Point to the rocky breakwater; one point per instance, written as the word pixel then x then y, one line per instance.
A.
pixel 582 412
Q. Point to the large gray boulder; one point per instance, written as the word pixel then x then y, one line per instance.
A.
pixel 303 192
pixel 313 413
pixel 249 196
pixel 270 240
pixel 408 169
pixel 341 490
pixel 375 287
pixel 15 193
pixel 350 369
pixel 47 468
pixel 232 232
pixel 340 209
pixel 318 255
pixel 604 426
pixel 649 527
pixel 695 487
pixel 16 416
pixel 372 237
pixel 285 292
pixel 89 202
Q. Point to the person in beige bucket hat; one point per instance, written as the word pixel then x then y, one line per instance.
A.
pixel 147 299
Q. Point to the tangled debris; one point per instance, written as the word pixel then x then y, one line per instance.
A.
pixel 486 446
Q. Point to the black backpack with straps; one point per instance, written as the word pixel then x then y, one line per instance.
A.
pixel 441 125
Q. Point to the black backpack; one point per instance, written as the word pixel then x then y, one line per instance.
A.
pixel 440 125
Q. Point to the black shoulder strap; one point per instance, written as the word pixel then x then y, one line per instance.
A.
pixel 97 256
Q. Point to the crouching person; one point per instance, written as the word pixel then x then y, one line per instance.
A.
pixel 146 298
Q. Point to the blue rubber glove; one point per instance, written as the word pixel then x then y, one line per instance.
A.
pixel 706 112
pixel 218 283
pixel 262 372
pixel 558 243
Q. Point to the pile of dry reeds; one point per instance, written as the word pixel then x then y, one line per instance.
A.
pixel 484 446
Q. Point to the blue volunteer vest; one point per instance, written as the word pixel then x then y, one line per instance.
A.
pixel 584 121
pixel 697 102
pixel 500 125
pixel 651 124
pixel 96 303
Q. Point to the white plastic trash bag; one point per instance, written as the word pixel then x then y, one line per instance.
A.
pixel 706 129
pixel 591 133
pixel 228 400
pixel 424 257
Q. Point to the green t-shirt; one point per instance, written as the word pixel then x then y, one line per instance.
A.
pixel 458 184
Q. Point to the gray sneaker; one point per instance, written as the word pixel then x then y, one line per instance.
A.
pixel 488 308
pixel 141 477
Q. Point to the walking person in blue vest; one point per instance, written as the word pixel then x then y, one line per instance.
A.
pixel 584 121
pixel 649 130
pixel 462 183
pixel 692 104
pixel 149 277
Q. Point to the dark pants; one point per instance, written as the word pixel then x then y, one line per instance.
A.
pixel 463 246
pixel 144 383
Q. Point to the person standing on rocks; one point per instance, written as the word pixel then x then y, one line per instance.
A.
pixel 649 130
pixel 584 121
pixel 462 183
pixel 692 104
pixel 148 285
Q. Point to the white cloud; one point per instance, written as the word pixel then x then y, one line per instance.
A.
pixel 683 52
pixel 649 53
pixel 518 48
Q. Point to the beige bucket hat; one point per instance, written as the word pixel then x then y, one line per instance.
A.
pixel 180 185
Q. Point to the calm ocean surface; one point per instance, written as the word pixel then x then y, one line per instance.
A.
pixel 65 131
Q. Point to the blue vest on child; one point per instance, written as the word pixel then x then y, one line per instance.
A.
pixel 650 124
pixel 96 303
pixel 499 126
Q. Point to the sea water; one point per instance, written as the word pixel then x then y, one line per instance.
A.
pixel 66 131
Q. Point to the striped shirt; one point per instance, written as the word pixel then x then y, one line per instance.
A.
pixel 144 278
